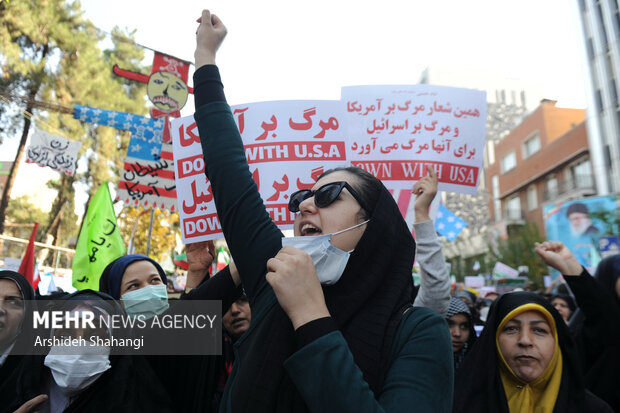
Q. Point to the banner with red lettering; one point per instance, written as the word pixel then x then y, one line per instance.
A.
pixel 288 144
pixel 395 132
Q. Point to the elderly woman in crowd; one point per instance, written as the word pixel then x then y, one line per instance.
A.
pixel 524 361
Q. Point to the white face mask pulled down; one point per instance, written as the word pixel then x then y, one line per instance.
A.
pixel 76 367
pixel 328 260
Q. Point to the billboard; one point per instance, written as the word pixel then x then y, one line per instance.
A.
pixel 580 224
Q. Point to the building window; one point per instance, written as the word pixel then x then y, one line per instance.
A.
pixel 509 162
pixel 552 188
pixel 581 175
pixel 614 92
pixel 532 198
pixel 590 48
pixel 513 209
pixel 601 22
pixel 617 17
pixel 497 204
pixel 531 145
pixel 599 100
pixel 491 152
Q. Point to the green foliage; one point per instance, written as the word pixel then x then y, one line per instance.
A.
pixel 163 238
pixel 518 249
pixel 22 211
pixel 49 51
pixel 462 267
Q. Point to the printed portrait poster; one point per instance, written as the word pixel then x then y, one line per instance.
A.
pixel 577 225
pixel 288 145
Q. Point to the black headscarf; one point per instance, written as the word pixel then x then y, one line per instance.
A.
pixel 458 306
pixel 569 301
pixel 8 370
pixel 366 304
pixel 129 385
pixel 598 336
pixel 607 274
pixel 478 386
pixel 22 283
pixel 27 292
pixel 110 281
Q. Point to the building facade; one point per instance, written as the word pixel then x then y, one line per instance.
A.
pixel 600 23
pixel 545 159
pixel 508 101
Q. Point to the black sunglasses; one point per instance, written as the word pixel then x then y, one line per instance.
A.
pixel 323 196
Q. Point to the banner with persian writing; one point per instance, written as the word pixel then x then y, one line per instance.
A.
pixel 148 169
pixel 52 151
pixel 288 144
pixel 396 132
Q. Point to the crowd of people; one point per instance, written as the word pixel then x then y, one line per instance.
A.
pixel 328 320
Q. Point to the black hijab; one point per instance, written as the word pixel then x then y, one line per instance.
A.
pixel 27 292
pixel 129 385
pixel 478 386
pixel 607 274
pixel 458 306
pixel 110 281
pixel 570 302
pixel 366 304
pixel 598 338
pixel 8 370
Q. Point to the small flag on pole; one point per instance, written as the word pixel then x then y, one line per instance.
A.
pixel 448 224
pixel 27 266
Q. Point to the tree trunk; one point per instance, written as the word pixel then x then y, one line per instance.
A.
pixel 6 194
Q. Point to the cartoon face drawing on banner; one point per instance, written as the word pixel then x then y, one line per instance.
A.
pixel 167 92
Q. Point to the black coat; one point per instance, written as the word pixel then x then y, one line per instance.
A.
pixel 596 328
pixel 478 386
pixel 130 385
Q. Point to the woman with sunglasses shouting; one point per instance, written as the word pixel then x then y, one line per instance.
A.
pixel 332 329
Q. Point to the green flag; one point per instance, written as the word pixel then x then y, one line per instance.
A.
pixel 99 243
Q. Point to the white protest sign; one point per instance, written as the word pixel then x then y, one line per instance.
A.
pixel 288 144
pixel 503 271
pixel 11 264
pixel 55 152
pixel 395 132
pixel 474 281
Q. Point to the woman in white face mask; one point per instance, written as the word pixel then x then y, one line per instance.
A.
pixel 87 378
pixel 332 324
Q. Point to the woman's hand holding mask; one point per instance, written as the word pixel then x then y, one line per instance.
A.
pixel 293 278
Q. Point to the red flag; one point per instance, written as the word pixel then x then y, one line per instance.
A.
pixel 26 268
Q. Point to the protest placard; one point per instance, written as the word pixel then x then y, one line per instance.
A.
pixel 502 270
pixel 396 132
pixel 288 144
pixel 474 281
pixel 52 151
